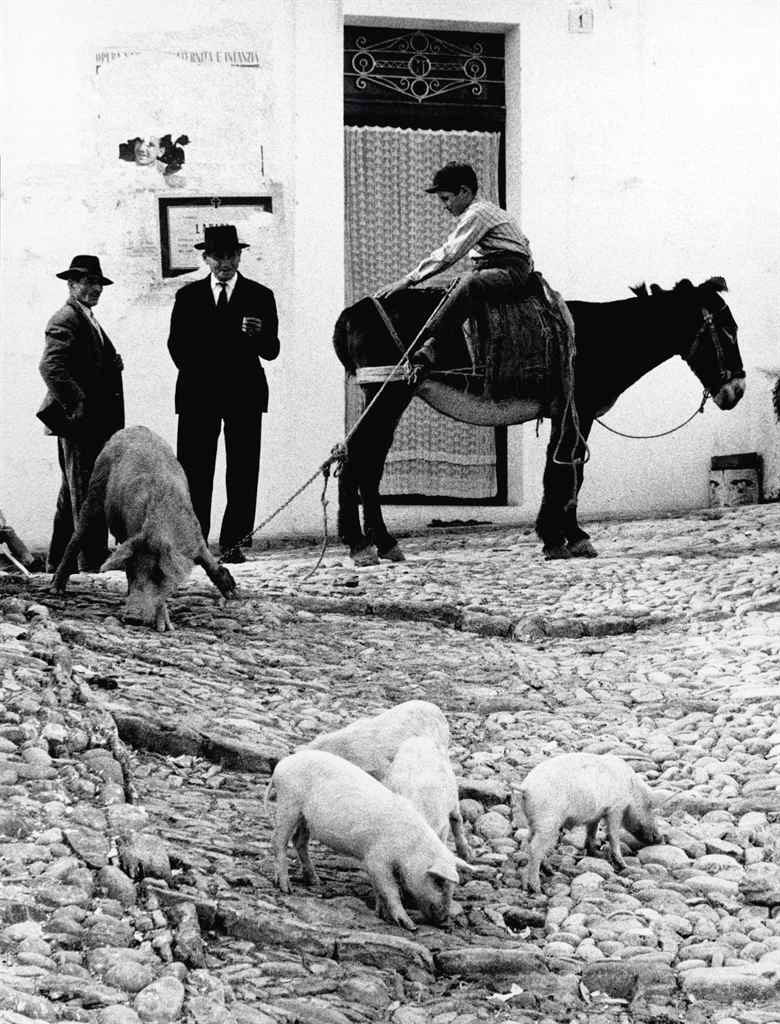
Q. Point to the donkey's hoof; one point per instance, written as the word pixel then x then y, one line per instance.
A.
pixel 366 556
pixel 583 549
pixel 560 551
pixel 394 554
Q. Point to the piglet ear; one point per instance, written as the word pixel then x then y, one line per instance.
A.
pixel 444 867
pixel 119 558
pixel 172 562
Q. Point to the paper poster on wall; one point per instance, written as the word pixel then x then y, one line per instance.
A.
pixel 192 119
pixel 182 222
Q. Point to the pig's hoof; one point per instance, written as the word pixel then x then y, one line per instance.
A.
pixel 163 621
pixel 225 582
pixel 406 922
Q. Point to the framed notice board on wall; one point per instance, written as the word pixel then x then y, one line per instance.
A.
pixel 182 220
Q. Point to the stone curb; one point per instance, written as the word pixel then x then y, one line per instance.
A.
pixel 275 927
pixel 143 732
pixel 525 629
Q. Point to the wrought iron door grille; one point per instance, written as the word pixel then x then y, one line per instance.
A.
pixel 422 66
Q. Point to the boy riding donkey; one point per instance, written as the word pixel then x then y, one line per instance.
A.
pixel 502 265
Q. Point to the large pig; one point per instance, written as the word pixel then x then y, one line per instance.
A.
pixel 421 771
pixel 372 743
pixel 583 789
pixel 139 490
pixel 321 796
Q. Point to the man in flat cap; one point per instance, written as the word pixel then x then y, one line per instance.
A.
pixel 500 254
pixel 221 326
pixel 84 404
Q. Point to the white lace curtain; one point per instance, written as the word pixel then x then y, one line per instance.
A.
pixel 391 223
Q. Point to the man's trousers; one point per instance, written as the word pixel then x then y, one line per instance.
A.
pixel 196 449
pixel 76 459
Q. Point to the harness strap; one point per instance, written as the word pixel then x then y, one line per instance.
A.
pixel 708 326
pixel 388 324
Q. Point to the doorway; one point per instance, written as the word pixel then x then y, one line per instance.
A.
pixel 413 101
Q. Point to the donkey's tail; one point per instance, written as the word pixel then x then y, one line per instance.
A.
pixel 776 398
pixel 341 342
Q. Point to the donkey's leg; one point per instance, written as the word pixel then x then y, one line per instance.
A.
pixel 562 481
pixel 382 422
pixel 350 532
pixel 577 540
pixel 362 472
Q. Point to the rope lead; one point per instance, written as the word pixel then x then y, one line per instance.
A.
pixel 663 433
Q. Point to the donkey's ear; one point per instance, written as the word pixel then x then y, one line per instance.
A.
pixel 717 284
pixel 684 285
pixel 640 290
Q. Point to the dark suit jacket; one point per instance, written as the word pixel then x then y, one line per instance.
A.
pixel 219 365
pixel 78 366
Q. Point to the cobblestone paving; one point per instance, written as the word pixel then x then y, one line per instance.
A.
pixel 664 650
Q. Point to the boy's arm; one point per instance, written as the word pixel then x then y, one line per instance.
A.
pixel 464 236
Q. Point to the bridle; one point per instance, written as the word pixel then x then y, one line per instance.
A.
pixel 709 328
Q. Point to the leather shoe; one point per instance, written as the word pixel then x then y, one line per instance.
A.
pixel 235 556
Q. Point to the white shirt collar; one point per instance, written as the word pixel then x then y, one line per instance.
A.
pixel 87 310
pixel 216 289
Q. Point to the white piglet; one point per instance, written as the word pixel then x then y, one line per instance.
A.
pixel 583 789
pixel 421 771
pixel 321 796
pixel 372 743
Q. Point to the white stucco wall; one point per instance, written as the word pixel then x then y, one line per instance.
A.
pixel 65 192
pixel 646 149
pixel 650 153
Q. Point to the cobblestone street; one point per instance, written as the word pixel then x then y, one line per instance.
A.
pixel 664 650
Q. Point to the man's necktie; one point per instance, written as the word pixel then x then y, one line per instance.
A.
pixel 222 301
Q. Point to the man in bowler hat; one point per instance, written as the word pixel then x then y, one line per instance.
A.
pixel 221 326
pixel 84 404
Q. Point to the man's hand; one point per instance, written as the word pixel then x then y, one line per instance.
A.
pixel 119 363
pixel 251 325
pixel 397 286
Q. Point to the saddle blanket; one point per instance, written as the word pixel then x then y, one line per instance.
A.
pixel 523 343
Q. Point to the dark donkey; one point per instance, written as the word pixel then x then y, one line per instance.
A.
pixel 617 343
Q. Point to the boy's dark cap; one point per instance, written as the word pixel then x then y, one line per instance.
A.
pixel 220 238
pixel 450 178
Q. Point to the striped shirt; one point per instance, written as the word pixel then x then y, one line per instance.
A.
pixel 481 230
